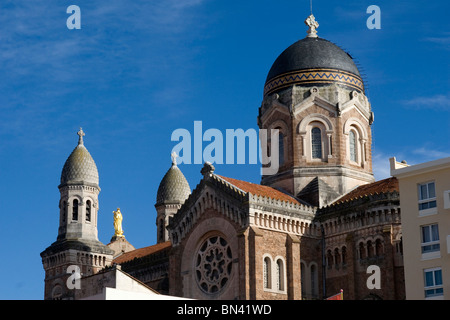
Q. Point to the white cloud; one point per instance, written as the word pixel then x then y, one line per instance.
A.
pixel 428 154
pixel 441 40
pixel 435 102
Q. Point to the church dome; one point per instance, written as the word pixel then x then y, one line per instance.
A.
pixel 80 166
pixel 174 187
pixel 313 61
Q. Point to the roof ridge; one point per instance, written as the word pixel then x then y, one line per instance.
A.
pixel 131 255
pixel 285 196
pixel 367 190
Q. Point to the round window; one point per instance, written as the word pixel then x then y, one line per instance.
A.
pixel 213 264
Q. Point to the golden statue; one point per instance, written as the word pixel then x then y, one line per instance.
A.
pixel 118 232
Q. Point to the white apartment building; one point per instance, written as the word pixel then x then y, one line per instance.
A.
pixel 425 210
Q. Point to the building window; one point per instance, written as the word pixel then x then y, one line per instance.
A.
pixel 362 251
pixel 75 210
pixel 329 259
pixel 378 248
pixel 267 269
pixel 214 264
pixel 280 275
pixel 433 282
pixel 280 147
pixel 344 256
pixel 353 146
pixel 88 210
pixel 427 196
pixel 57 292
pixel 370 250
pixel 430 238
pixel 337 258
pixel 316 143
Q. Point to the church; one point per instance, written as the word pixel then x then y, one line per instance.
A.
pixel 314 229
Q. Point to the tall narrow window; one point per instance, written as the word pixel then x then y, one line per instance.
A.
pixel 344 256
pixel 281 147
pixel 329 259
pixel 353 146
pixel 378 248
pixel 88 210
pixel 266 273
pixel 75 210
pixel 316 143
pixel 280 275
pixel 337 257
pixel 362 251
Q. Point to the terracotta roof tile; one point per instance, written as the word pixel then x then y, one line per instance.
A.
pixel 260 190
pixel 141 252
pixel 382 186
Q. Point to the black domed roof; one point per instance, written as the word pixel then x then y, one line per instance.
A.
pixel 313 53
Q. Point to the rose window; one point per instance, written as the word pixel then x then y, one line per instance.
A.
pixel 213 264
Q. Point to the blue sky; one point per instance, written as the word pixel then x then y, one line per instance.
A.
pixel 138 70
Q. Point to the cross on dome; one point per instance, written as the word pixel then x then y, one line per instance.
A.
pixel 81 134
pixel 174 158
pixel 313 25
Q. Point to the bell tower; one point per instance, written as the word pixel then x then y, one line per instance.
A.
pixel 314 95
pixel 77 251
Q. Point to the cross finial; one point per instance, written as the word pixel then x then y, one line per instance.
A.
pixel 313 25
pixel 174 158
pixel 81 135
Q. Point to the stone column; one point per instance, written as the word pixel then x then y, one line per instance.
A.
pixel 293 267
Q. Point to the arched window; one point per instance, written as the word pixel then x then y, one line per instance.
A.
pixel 337 257
pixel 75 210
pixel 57 292
pixel 378 248
pixel 353 146
pixel 344 256
pixel 362 251
pixel 267 269
pixel 316 143
pixel 280 275
pixel 370 248
pixel 329 259
pixel 88 210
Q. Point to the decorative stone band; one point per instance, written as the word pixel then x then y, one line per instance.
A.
pixel 314 77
